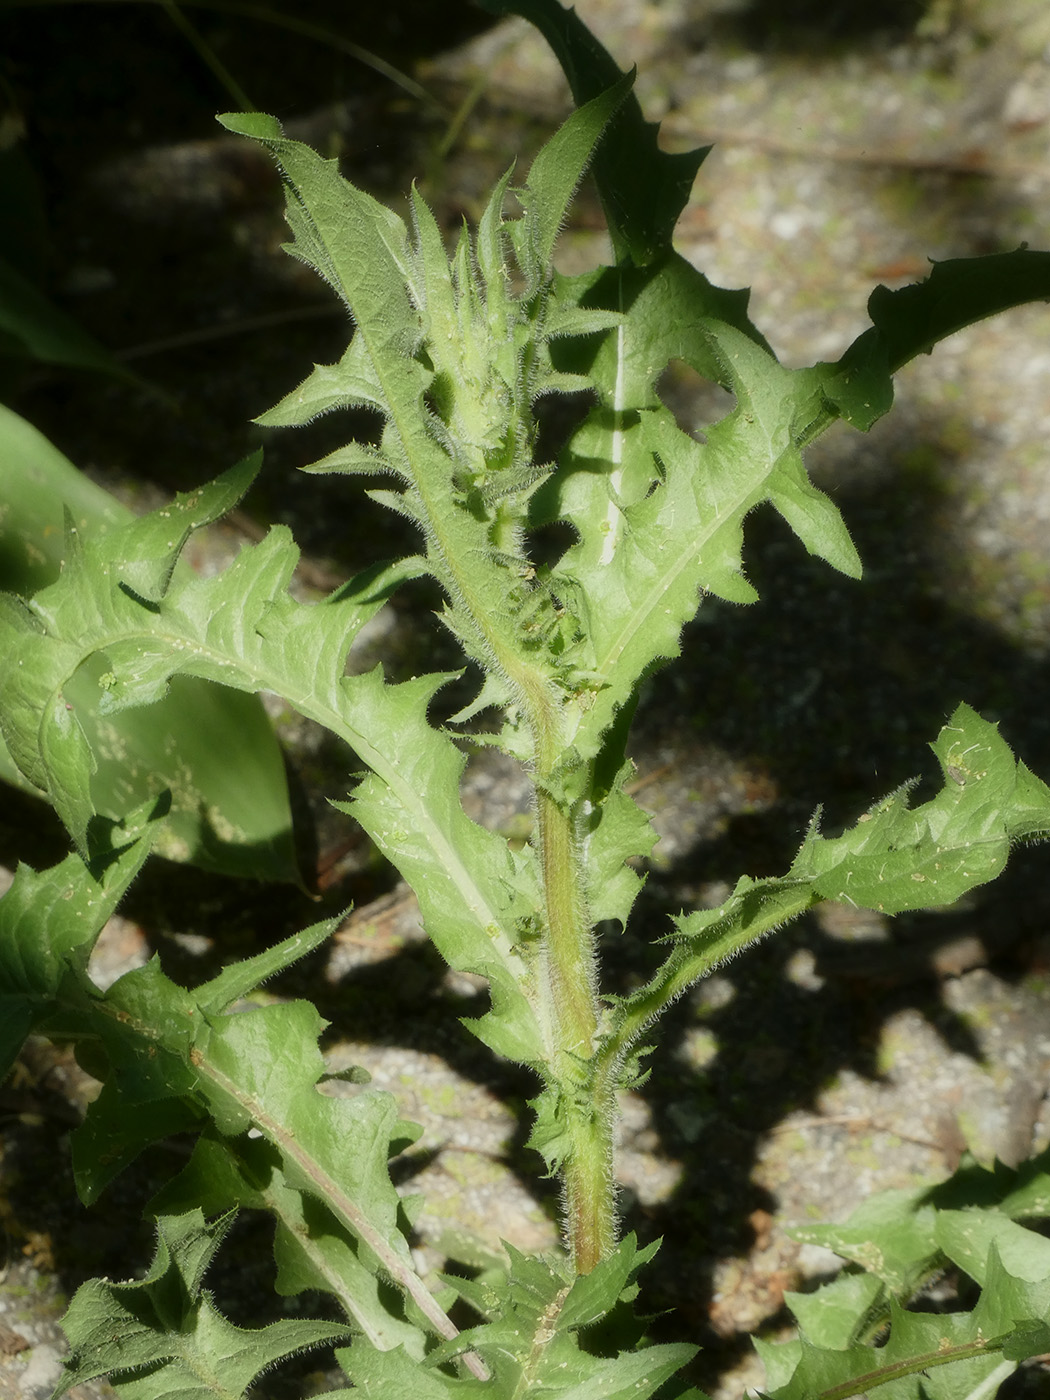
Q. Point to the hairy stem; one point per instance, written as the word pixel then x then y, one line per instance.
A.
pixel 589 1184
pixel 571 986
pixel 569 944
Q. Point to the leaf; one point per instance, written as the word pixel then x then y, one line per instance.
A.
pixel 558 168
pixel 926 1357
pixel 243 629
pixel 215 750
pixel 1020 1193
pixel 958 292
pixel 399 295
pixel 665 523
pixel 349 384
pixel 530 1340
pixel 902 1237
pixel 968 1237
pixel 170 1058
pixel 892 860
pixel 896 859
pixel 839 1313
pixel 615 831
pixel 164 1327
pixel 310 1248
pixel 891 1235
pixel 643 188
pixel 71 902
pixel 111 1136
pixel 476 898
pixel 38 481
pixel 663 308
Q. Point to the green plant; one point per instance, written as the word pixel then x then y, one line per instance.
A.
pixel 452 352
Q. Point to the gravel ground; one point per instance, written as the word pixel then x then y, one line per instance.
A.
pixel 851 1053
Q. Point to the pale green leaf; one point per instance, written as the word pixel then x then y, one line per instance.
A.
pixel 349 384
pixel 614 832
pixel 530 1342
pixel 893 859
pixel 354 459
pixel 967 1238
pixel 243 629
pixel 896 859
pixel 892 1235
pixel 558 169
pixel 477 901
pixel 839 1313
pixel 253 1070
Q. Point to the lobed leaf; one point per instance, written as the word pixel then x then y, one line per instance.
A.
pixel 242 629
pixel 171 1059
pixel 310 1249
pixel 925 1357
pixel 162 1338
pixel 1021 1193
pixel 530 1340
pixel 892 860
pixel 940 1356
pixel 896 859
pixel 901 1238
pixel 892 1235
pixel 665 523
pixel 477 898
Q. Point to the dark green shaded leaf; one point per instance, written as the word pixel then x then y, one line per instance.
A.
pixel 643 188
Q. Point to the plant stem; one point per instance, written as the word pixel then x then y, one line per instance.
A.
pixel 571 986
pixel 589 1184
pixel 570 948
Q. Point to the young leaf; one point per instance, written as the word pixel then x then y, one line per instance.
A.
pixel 559 167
